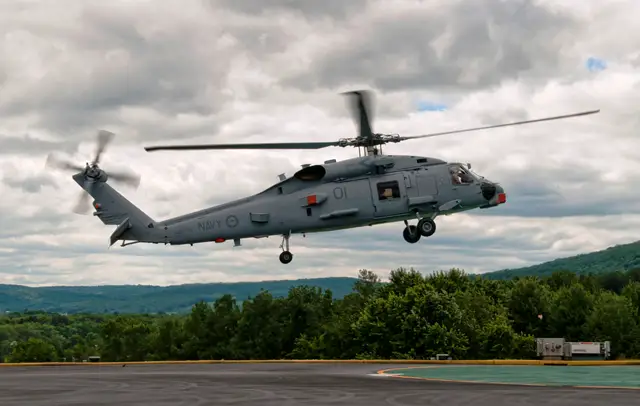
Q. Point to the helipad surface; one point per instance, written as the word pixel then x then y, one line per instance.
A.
pixel 278 385
pixel 584 376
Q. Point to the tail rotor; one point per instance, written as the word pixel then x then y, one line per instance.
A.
pixel 92 173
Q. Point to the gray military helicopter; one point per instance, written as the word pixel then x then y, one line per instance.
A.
pixel 370 189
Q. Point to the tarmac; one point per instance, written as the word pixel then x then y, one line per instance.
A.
pixel 624 377
pixel 274 384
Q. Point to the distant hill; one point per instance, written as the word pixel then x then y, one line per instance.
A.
pixel 617 258
pixel 180 298
pixel 148 299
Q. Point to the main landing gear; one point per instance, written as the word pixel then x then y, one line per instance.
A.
pixel 426 228
pixel 285 255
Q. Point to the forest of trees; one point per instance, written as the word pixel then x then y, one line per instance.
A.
pixel 412 317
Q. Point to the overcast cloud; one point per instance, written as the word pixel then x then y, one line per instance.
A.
pixel 227 71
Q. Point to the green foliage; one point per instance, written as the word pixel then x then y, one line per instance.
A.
pixel 33 350
pixel 411 317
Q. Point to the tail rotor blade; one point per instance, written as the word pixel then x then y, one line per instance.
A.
pixel 92 172
pixel 104 138
pixel 130 179
pixel 82 206
pixel 53 162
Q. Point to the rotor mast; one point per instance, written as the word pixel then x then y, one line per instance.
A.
pixel 372 151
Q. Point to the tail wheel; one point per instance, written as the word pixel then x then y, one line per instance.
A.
pixel 286 257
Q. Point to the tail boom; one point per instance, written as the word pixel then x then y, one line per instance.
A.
pixel 114 209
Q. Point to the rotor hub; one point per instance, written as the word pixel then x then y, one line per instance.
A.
pixel 369 141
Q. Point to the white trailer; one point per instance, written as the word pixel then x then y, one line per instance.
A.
pixel 559 349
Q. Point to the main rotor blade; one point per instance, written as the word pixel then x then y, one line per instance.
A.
pixel 584 113
pixel 361 108
pixel 104 138
pixel 279 145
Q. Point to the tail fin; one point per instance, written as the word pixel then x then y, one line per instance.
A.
pixel 114 209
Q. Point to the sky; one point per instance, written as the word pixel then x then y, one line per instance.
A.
pixel 187 71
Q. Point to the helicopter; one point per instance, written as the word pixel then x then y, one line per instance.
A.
pixel 367 190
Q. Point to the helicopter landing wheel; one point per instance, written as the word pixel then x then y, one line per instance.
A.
pixel 286 257
pixel 427 227
pixel 411 234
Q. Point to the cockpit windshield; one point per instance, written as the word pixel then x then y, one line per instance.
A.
pixel 474 174
pixel 461 175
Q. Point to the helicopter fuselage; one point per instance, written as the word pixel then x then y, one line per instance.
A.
pixel 357 192
pixel 364 191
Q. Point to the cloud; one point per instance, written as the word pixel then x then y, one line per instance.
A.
pixel 458 47
pixel 336 9
pixel 222 71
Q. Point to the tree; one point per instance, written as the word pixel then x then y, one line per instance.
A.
pixel 528 300
pixel 632 292
pixel 570 308
pixel 33 350
pixel 410 317
pixel 613 318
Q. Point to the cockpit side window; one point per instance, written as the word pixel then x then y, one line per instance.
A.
pixel 460 176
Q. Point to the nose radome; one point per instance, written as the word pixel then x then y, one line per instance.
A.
pixel 501 195
pixel 494 193
pixel 489 190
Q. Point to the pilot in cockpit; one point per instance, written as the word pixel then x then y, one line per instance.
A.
pixel 455 176
pixel 460 176
pixel 465 177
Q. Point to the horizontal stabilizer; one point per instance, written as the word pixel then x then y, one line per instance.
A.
pixel 119 231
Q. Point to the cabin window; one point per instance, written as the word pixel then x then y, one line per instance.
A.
pixel 308 211
pixel 388 190
pixel 279 190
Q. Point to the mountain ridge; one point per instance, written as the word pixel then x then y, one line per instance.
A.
pixel 141 298
pixel 149 298
pixel 620 257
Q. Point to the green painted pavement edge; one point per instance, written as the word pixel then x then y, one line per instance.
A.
pixel 620 377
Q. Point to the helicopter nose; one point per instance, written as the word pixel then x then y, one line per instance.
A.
pixel 494 193
pixel 501 196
